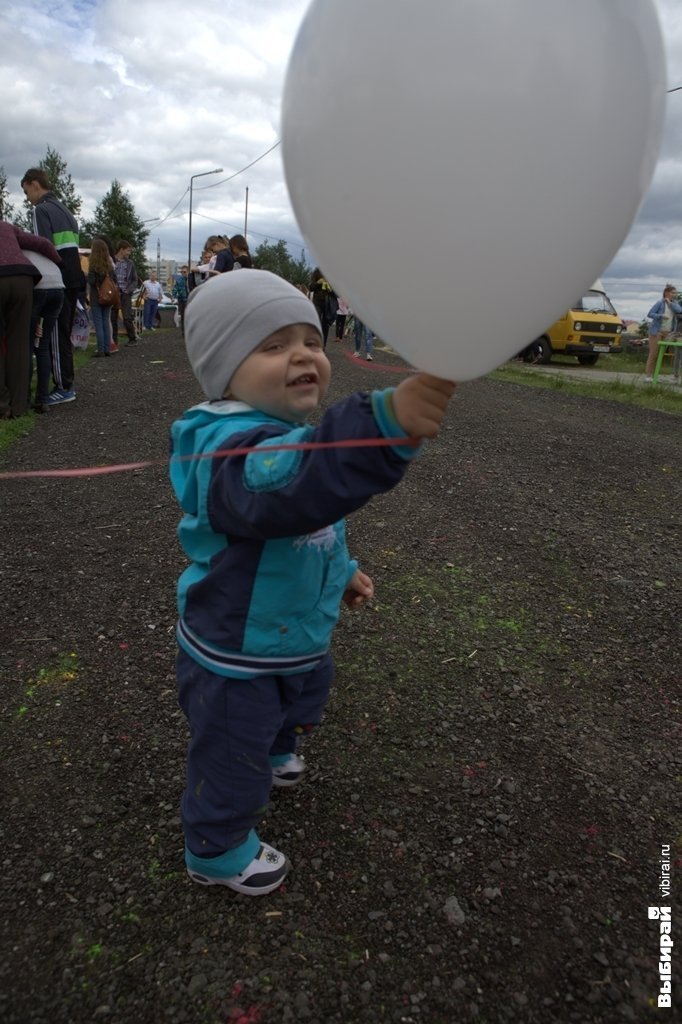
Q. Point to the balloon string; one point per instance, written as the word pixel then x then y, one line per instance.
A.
pixel 222 453
pixel 127 467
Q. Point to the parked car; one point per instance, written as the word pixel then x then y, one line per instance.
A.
pixel 588 329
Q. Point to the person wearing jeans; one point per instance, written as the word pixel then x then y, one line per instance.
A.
pixel 54 221
pixel 663 316
pixel 362 331
pixel 153 294
pixel 126 279
pixel 100 267
pixel 48 298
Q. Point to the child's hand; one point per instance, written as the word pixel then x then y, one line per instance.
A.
pixel 360 589
pixel 420 402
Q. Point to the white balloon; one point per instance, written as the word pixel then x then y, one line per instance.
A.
pixel 463 169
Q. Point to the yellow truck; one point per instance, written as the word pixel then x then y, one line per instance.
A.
pixel 590 328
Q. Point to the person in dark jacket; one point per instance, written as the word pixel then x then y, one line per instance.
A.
pixel 265 534
pixel 17 278
pixel 239 248
pixel 127 281
pixel 218 246
pixel 324 300
pixel 53 220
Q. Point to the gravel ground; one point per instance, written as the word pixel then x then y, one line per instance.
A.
pixel 481 831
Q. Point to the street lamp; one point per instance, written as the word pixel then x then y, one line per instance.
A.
pixel 218 170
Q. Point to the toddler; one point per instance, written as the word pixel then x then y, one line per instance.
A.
pixel 269 566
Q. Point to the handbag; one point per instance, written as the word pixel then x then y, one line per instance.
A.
pixel 80 333
pixel 107 293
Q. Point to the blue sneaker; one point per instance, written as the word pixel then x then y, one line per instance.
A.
pixel 264 874
pixel 290 773
pixel 61 395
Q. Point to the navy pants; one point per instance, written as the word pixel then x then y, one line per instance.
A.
pixel 236 726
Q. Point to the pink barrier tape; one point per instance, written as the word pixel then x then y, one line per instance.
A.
pixel 126 467
pixel 359 361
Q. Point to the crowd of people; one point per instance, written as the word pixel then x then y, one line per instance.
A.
pixel 43 288
pixel 333 309
pixel 44 292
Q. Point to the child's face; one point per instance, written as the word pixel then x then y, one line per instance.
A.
pixel 287 376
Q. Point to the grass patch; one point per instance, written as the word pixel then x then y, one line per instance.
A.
pixel 14 430
pixel 447 607
pixel 53 679
pixel 659 397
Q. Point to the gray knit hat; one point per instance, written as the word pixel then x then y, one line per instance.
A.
pixel 228 316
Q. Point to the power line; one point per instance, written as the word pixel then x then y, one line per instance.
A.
pixel 216 220
pixel 237 173
pixel 173 210
pixel 222 182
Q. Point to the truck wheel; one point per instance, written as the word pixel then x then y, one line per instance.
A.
pixel 589 359
pixel 544 351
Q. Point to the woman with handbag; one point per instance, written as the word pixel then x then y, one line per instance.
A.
pixel 102 295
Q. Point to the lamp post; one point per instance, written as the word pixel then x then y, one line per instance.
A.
pixel 218 170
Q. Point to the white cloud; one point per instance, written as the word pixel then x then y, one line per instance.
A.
pixel 151 94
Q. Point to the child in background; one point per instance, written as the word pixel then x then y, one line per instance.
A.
pixel 342 312
pixel 269 564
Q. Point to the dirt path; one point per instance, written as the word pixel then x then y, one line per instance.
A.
pixel 482 830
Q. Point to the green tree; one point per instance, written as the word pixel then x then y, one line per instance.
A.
pixel 115 217
pixel 6 208
pixel 61 183
pixel 277 260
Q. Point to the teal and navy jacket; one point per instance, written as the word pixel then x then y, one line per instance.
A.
pixel 265 532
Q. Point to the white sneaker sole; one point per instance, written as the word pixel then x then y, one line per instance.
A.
pixel 281 783
pixel 291 778
pixel 237 886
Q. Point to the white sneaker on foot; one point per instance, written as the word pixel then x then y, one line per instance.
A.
pixel 290 773
pixel 264 874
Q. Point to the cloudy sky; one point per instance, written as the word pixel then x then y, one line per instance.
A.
pixel 151 94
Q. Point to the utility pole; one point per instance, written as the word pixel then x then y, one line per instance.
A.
pixel 246 210
pixel 218 170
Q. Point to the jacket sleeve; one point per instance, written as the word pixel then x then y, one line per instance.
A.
pixel 275 493
pixel 655 310
pixel 42 220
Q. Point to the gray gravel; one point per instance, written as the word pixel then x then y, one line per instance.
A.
pixel 480 833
